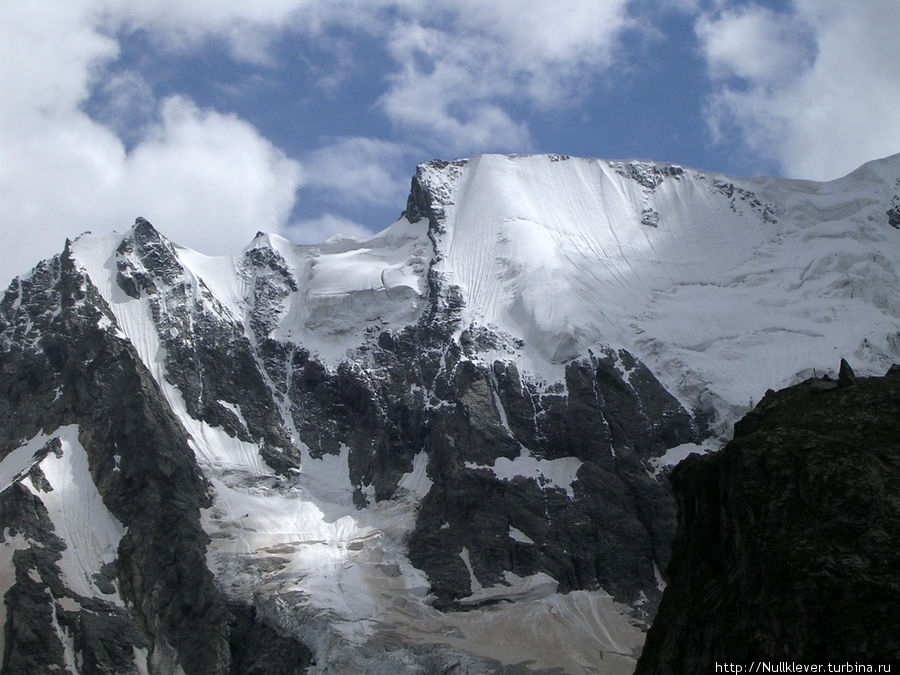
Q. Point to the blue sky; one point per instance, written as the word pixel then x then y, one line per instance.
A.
pixel 308 117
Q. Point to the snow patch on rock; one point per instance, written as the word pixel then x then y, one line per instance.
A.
pixel 79 517
pixel 548 473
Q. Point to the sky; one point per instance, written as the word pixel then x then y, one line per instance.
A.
pixel 308 117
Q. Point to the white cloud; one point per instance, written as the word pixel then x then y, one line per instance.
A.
pixel 820 115
pixel 47 56
pixel 316 230
pixel 537 35
pixel 182 25
pixel 754 43
pixel 208 179
pixel 367 170
pixel 446 86
pixel 126 104
pixel 462 66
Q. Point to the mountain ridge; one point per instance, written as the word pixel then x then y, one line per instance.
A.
pixel 464 419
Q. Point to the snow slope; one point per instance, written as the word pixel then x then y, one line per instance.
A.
pixel 89 532
pixel 343 285
pixel 725 287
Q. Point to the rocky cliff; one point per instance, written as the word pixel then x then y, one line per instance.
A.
pixel 101 507
pixel 788 542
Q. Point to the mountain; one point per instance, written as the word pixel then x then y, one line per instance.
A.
pixel 788 544
pixel 442 447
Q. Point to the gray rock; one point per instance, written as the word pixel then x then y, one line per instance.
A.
pixel 845 375
pixel 822 385
pixel 58 366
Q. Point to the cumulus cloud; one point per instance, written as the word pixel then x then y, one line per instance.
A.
pixel 815 88
pixel 456 81
pixel 368 170
pixel 537 35
pixel 208 179
pixel 446 87
pixel 246 27
pixel 754 43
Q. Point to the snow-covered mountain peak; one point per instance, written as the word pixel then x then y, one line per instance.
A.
pixel 727 287
pixel 329 297
pixel 728 282
pixel 433 188
pixel 260 240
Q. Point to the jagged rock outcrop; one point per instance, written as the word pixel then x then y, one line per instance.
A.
pixel 64 364
pixel 788 543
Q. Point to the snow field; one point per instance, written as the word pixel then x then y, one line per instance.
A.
pixel 558 473
pixel 79 516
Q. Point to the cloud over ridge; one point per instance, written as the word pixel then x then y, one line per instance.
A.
pixel 89 138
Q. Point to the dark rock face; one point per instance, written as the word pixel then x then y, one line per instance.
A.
pixel 788 543
pixel 616 513
pixel 197 336
pixel 894 218
pixel 104 634
pixel 257 649
pixel 893 213
pixel 62 362
pixel 845 375
pixel 419 390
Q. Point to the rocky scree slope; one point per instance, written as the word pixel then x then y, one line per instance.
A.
pixel 788 543
pixel 383 451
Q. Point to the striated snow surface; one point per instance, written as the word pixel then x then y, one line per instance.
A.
pixel 724 287
pixel 343 286
pixel 737 286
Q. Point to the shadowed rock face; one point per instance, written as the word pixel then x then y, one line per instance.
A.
pixel 788 542
pixel 60 366
pixel 616 512
pixel 420 390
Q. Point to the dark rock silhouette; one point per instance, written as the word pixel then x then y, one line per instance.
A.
pixel 788 542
